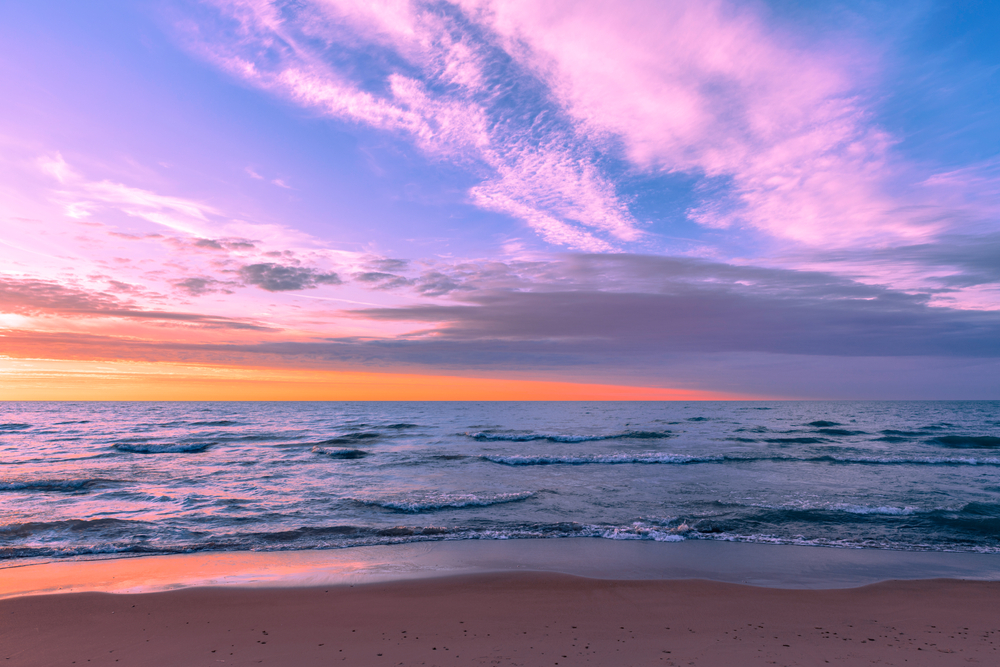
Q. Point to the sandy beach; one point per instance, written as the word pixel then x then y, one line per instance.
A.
pixel 511 619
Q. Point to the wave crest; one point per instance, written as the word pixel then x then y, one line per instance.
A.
pixel 436 501
pixel 162 448
pixel 490 436
pixel 617 458
pixel 13 427
pixel 65 485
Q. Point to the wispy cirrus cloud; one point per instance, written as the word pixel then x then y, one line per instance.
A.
pixel 441 83
pixel 198 248
pixel 82 197
pixel 553 106
pixel 708 88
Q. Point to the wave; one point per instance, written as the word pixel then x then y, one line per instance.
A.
pixel 63 485
pixel 74 526
pixel 618 458
pixel 881 510
pixel 263 436
pixel 981 509
pixel 351 438
pixel 968 441
pixel 795 441
pixel 976 524
pixel 906 460
pixel 162 448
pixel 340 452
pixel 655 530
pixel 668 458
pixel 487 436
pixel 13 426
pixel 822 511
pixel 432 502
pixel 221 422
pixel 51 460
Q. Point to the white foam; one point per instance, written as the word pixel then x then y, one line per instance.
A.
pixel 436 501
pixel 882 510
pixel 640 530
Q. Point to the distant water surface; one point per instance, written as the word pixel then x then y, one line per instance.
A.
pixel 79 479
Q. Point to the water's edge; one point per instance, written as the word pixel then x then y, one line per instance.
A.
pixel 771 566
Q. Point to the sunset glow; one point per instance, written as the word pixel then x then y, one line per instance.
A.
pixel 561 199
pixel 115 381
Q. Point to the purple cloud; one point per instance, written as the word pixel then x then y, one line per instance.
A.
pixel 278 278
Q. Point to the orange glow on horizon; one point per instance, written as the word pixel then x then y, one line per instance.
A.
pixel 52 380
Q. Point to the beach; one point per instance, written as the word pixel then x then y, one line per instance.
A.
pixel 499 534
pixel 517 602
pixel 511 619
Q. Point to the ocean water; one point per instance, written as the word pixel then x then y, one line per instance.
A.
pixel 81 479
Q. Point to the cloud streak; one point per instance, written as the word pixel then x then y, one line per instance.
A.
pixel 42 298
pixel 668 305
pixel 661 321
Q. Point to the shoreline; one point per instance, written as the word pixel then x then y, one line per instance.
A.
pixel 759 565
pixel 534 603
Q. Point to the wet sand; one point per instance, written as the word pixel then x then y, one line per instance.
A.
pixel 511 618
pixel 768 565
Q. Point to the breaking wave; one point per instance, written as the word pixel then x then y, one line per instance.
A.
pixel 440 501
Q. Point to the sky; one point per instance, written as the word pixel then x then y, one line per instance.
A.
pixel 339 199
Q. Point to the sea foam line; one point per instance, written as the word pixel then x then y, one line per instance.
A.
pixel 431 502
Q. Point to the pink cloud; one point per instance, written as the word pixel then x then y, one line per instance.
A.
pixel 712 89
pixel 555 190
pixel 177 253
pixel 707 87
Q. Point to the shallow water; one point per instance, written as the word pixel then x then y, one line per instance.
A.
pixel 102 478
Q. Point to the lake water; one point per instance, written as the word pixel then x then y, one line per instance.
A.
pixel 80 479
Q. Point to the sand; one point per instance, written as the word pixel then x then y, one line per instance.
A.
pixel 511 618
